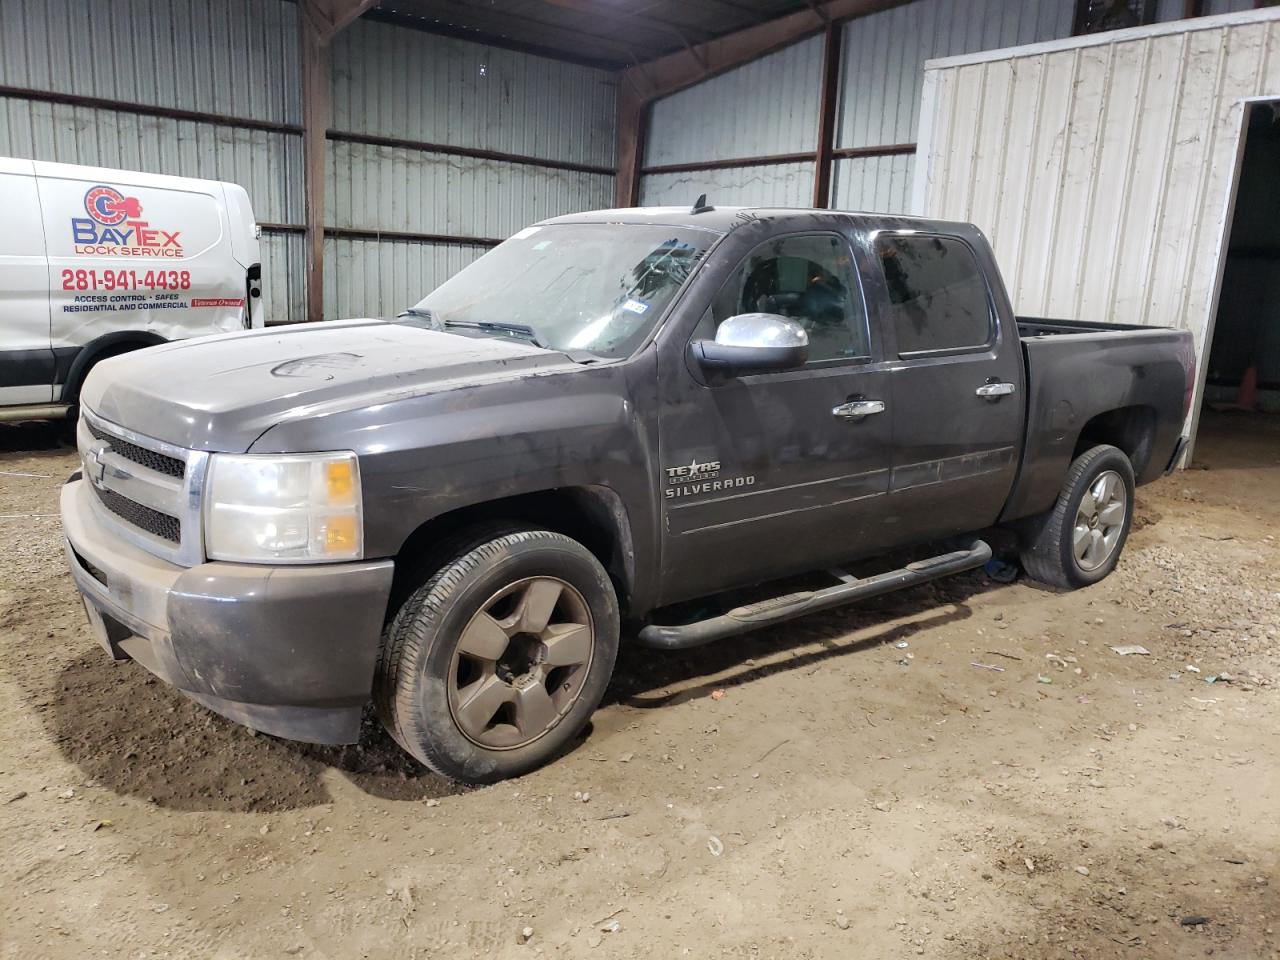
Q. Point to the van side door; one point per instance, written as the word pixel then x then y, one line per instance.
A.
pixel 26 359
pixel 958 390
pixel 149 255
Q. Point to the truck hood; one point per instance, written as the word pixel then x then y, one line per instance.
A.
pixel 222 393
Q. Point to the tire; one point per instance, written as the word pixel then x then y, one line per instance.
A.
pixel 1053 541
pixel 497 661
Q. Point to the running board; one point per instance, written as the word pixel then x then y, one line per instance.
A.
pixel 778 609
pixel 35 411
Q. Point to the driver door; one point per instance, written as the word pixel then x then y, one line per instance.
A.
pixel 763 475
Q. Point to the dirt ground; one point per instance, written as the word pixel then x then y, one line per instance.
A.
pixel 855 784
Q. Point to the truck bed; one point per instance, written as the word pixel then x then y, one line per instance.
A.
pixel 1076 371
pixel 1031 327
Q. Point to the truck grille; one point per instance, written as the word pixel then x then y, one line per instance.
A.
pixel 170 466
pixel 146 490
pixel 144 518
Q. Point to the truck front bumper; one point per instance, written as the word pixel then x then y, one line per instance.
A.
pixel 288 650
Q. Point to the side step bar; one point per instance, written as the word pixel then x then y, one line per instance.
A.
pixel 768 612
pixel 35 411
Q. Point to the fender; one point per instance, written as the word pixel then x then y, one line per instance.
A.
pixel 73 363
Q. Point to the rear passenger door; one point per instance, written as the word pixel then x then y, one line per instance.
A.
pixel 957 386
pixel 26 360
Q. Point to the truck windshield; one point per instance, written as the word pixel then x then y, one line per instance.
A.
pixel 592 287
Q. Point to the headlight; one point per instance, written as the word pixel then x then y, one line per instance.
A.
pixel 297 508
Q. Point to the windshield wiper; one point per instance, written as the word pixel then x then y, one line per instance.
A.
pixel 493 326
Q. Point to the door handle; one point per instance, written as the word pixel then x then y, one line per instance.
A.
pixel 994 390
pixel 857 409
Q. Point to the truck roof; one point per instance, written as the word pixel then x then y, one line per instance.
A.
pixel 724 219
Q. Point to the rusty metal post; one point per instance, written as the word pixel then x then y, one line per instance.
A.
pixel 827 115
pixel 320 22
pixel 631 114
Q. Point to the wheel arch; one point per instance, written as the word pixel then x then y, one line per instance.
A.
pixel 592 514
pixel 108 345
pixel 1130 429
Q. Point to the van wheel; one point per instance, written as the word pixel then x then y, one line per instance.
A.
pixel 1078 542
pixel 495 663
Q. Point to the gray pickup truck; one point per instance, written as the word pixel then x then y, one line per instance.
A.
pixel 453 512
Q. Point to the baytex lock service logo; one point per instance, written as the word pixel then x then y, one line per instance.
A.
pixel 115 228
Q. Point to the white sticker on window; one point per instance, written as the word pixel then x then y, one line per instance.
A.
pixel 526 233
pixel 635 306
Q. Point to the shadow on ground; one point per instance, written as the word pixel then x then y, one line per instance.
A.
pixel 139 737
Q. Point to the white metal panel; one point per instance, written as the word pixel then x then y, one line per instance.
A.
pixel 379 278
pixel 768 106
pixel 1101 168
pixel 395 189
pixel 234 57
pixel 775 185
pixel 402 83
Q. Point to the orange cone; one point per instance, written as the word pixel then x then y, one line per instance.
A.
pixel 1247 395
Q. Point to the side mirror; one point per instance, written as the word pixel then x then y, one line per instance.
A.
pixel 754 343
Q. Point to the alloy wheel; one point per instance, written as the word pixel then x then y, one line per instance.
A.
pixel 1099 521
pixel 521 662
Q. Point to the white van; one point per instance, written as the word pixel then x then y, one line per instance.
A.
pixel 97 262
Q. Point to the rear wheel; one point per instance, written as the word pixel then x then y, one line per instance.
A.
pixel 1079 541
pixel 492 666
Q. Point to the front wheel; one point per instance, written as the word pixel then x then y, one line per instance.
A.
pixel 1078 542
pixel 492 666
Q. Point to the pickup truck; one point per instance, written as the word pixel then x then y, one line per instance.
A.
pixel 452 513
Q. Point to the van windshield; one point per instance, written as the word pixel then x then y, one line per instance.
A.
pixel 598 288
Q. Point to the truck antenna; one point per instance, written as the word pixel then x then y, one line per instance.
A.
pixel 700 205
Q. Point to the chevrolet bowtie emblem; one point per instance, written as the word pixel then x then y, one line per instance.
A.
pixel 95 468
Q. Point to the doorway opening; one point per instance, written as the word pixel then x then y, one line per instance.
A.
pixel 1240 409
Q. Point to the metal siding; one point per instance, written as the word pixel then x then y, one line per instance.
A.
pixel 775 185
pixel 1101 171
pixel 284 271
pixel 768 106
pixel 873 184
pixel 268 165
pixel 234 57
pixel 389 188
pixel 395 82
pixel 1213 7
pixel 884 56
pixel 379 278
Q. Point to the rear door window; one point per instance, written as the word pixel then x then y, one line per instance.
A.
pixel 938 297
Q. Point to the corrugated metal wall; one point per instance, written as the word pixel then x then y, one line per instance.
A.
pixel 1101 168
pixel 409 85
pixel 882 70
pixel 767 106
pixel 239 59
pixel 772 185
pixel 770 106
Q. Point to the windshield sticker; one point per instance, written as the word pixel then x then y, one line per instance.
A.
pixel 635 306
pixel 526 233
pixel 541 245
